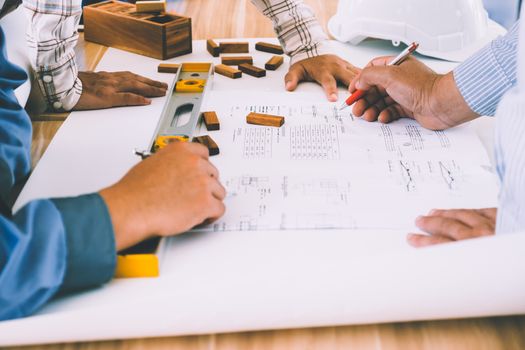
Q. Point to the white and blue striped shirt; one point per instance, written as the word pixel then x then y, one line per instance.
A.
pixel 484 78
pixel 488 82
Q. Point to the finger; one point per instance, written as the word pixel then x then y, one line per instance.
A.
pixel 198 149
pixel 329 85
pixel 218 191
pixel 154 83
pixel 380 61
pixel 470 217
pixel 490 213
pixel 140 88
pixel 215 210
pixel 351 86
pixel 445 227
pixel 391 113
pixel 372 113
pixel 420 241
pixel 344 76
pixel 294 76
pixel 128 99
pixel 374 77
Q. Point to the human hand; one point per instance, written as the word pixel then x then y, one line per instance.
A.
pixel 169 193
pixel 412 90
pixel 116 89
pixel 446 226
pixel 326 70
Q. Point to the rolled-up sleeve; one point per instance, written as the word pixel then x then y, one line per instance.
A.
pixel 485 77
pixel 297 28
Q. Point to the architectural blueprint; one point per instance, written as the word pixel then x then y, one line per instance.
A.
pixel 328 169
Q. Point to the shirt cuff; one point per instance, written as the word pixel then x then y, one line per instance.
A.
pixel 59 102
pixel 91 250
pixel 322 48
pixel 484 78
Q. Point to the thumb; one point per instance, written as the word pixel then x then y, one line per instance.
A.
pixel 379 77
pixel 293 77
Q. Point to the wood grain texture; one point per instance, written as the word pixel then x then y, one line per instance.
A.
pixel 236 60
pixel 211 121
pixel 265 119
pixel 207 141
pixel 234 47
pixel 274 63
pixel 244 20
pixel 252 70
pixel 228 71
pixel 168 68
pixel 267 47
pixel 114 24
pixel 213 48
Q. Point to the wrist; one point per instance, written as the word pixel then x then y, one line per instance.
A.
pixel 127 223
pixel 446 102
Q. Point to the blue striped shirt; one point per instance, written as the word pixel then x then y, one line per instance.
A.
pixel 488 83
pixel 484 78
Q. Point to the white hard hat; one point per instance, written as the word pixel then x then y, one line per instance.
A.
pixel 446 29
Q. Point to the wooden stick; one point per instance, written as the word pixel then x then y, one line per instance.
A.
pixel 236 60
pixel 209 143
pixel 168 68
pixel 252 70
pixel 267 47
pixel 265 119
pixel 213 48
pixel 234 47
pixel 228 71
pixel 151 6
pixel 211 121
pixel 274 63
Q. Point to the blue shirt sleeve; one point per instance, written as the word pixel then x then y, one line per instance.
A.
pixel 484 78
pixel 48 245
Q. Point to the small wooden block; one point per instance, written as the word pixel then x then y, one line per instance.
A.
pixel 267 47
pixel 213 48
pixel 228 71
pixel 236 60
pixel 235 47
pixel 252 70
pixel 168 68
pixel 151 6
pixel 265 119
pixel 208 142
pixel 211 121
pixel 274 63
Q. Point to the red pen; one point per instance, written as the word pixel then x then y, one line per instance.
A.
pixel 358 94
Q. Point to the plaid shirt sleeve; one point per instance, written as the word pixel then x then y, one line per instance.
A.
pixel 297 28
pixel 52 36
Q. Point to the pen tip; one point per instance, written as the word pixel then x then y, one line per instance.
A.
pixel 343 106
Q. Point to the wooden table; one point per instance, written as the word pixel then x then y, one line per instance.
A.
pixel 239 18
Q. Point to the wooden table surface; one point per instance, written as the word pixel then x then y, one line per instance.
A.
pixel 239 18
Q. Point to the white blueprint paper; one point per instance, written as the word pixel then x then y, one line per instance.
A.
pixel 326 169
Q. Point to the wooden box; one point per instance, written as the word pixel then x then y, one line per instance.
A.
pixel 118 24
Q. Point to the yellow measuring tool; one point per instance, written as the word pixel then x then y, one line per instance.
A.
pixel 178 121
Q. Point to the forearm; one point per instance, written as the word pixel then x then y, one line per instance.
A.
pixel 52 36
pixel 296 27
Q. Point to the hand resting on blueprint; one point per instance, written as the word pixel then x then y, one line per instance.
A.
pixel 326 70
pixel 444 226
pixel 410 90
pixel 169 193
pixel 117 89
